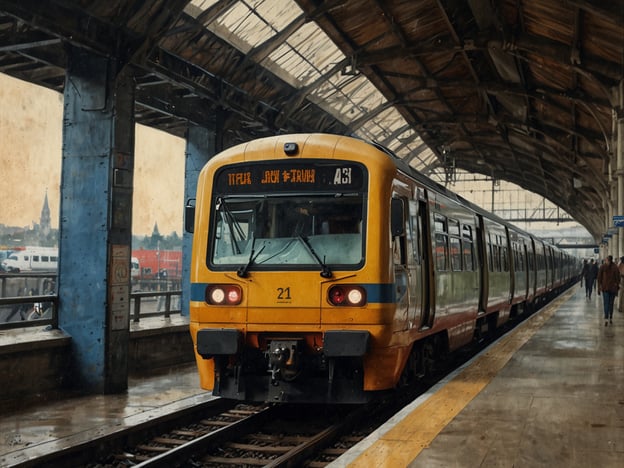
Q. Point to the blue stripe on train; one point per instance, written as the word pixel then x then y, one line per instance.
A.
pixel 198 292
pixel 375 293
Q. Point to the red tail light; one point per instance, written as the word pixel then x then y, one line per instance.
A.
pixel 347 295
pixel 228 294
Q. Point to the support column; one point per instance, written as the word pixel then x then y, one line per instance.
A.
pixel 96 220
pixel 611 207
pixel 200 147
pixel 619 149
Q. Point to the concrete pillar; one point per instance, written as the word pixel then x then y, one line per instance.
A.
pixel 606 205
pixel 612 208
pixel 96 220
pixel 200 147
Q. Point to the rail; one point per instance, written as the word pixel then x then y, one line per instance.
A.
pixel 30 299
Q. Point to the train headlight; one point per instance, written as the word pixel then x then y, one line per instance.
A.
pixel 347 295
pixel 228 294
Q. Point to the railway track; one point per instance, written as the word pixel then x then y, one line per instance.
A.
pixel 223 433
pixel 246 435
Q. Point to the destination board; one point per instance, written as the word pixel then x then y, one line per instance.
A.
pixel 261 177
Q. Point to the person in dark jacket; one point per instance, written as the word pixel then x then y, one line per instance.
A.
pixel 591 273
pixel 621 301
pixel 609 284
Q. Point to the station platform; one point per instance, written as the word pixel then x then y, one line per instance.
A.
pixel 549 393
pixel 50 427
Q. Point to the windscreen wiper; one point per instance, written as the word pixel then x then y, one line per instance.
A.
pixel 325 270
pixel 242 271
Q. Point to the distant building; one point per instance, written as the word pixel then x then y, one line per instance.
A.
pixel 45 225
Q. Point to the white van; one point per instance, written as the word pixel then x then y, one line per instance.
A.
pixel 135 268
pixel 32 259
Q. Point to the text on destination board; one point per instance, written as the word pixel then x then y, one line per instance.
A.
pixel 290 175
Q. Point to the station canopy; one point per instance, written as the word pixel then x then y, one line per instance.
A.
pixel 312 64
pixel 527 92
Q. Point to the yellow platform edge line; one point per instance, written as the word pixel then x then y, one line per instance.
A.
pixel 404 442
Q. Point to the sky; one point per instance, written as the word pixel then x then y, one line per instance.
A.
pixel 30 163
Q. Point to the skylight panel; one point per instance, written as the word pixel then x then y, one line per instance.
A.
pixel 316 47
pixel 363 93
pixel 277 13
pixel 242 22
pixel 203 4
pixel 293 64
pixel 303 58
pixel 333 96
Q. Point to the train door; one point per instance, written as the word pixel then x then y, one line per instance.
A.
pixel 428 284
pixel 482 255
pixel 400 260
pixel 510 262
pixel 529 252
pixel 416 265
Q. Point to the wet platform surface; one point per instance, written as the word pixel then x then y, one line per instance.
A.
pixel 549 394
pixel 52 426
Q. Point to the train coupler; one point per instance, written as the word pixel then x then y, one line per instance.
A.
pixel 284 360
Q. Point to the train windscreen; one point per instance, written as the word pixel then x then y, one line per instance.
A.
pixel 288 216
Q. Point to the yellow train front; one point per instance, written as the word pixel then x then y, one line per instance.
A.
pixel 292 281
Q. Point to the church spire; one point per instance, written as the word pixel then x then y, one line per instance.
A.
pixel 44 221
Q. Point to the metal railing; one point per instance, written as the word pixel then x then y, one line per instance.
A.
pixel 23 305
pixel 163 303
pixel 31 310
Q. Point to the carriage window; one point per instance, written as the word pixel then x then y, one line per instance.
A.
pixel 415 230
pixel 519 257
pixel 454 244
pixel 455 247
pixel 490 253
pixel 441 252
pixel 467 248
pixel 453 227
pixel 441 242
pixel 498 253
pixel 505 259
pixel 504 254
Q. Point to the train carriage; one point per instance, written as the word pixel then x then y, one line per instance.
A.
pixel 455 269
pixel 324 269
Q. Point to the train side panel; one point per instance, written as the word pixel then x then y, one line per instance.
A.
pixel 455 268
pixel 325 270
pixel 499 286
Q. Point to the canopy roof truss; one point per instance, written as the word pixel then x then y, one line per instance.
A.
pixel 524 91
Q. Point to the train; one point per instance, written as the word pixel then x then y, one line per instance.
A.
pixel 145 264
pixel 31 259
pixel 325 269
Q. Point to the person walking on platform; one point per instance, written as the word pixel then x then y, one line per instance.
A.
pixel 590 277
pixel 609 284
pixel 584 271
pixel 621 270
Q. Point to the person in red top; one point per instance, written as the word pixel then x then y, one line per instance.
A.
pixel 609 284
